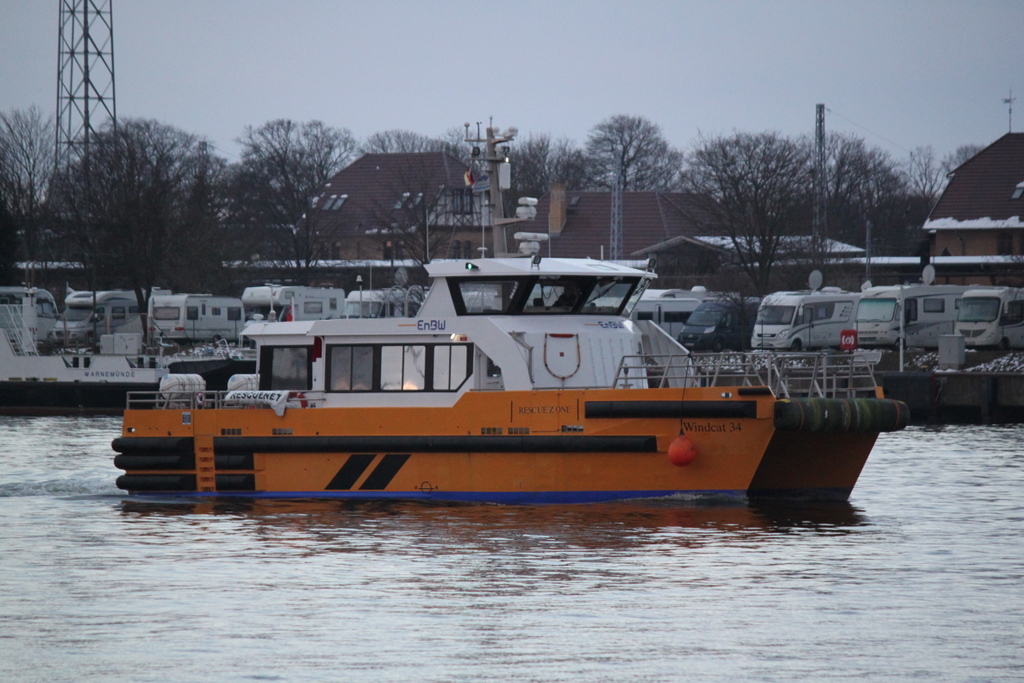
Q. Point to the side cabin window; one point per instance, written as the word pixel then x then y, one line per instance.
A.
pixel 286 368
pixel 1014 313
pixel 398 367
pixel 911 312
pixel 544 295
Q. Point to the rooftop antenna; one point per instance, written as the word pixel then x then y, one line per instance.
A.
pixel 85 76
pixel 1008 101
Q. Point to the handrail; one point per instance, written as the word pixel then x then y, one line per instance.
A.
pixel 789 375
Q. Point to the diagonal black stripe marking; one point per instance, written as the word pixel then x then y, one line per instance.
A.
pixel 350 472
pixel 384 472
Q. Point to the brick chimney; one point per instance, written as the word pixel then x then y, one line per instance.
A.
pixel 556 210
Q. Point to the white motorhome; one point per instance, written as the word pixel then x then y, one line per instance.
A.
pixel 89 315
pixel 41 300
pixel 928 312
pixel 804 319
pixel 397 302
pixel 992 317
pixel 293 302
pixel 187 318
pixel 668 308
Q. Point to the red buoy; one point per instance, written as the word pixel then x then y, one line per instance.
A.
pixel 681 452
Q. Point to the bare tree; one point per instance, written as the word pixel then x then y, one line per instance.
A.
pixel 395 141
pixel 127 205
pixel 865 184
pixel 283 167
pixel 539 161
pixel 925 175
pixel 753 188
pixel 26 167
pixel 632 148
pixel 8 239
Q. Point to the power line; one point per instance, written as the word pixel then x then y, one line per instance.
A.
pixel 868 130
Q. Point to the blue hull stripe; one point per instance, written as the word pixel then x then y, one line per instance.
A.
pixel 506 497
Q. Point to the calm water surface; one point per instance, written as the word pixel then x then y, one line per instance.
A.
pixel 920 577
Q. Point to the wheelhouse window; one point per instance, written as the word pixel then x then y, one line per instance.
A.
pixel 285 368
pixel 487 296
pixel 545 295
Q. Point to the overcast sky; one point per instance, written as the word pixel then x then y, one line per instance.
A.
pixel 900 74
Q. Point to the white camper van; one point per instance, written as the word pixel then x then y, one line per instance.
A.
pixel 992 317
pixel 805 319
pixel 187 318
pixel 396 302
pixel 928 312
pixel 42 301
pixel 293 302
pixel 90 315
pixel 668 308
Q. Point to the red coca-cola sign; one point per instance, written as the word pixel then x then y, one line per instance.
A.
pixel 848 340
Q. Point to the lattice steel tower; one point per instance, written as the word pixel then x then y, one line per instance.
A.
pixel 820 194
pixel 85 76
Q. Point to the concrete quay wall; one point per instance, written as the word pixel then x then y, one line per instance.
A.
pixel 938 397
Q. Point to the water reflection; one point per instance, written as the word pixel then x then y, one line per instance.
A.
pixel 609 526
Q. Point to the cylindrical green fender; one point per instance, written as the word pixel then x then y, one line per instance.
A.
pixel 841 415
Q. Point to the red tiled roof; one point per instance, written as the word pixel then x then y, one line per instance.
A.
pixel 376 181
pixel 982 186
pixel 647 219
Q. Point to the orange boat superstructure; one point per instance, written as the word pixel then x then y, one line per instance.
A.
pixel 521 380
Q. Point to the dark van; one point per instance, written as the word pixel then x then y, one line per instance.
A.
pixel 720 324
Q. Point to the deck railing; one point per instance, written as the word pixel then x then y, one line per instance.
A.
pixel 789 375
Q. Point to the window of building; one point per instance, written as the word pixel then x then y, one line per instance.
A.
pixel 1018 191
pixel 462 201
pixel 1004 244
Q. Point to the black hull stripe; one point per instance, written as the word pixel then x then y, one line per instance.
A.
pixel 435 444
pixel 384 472
pixel 671 409
pixel 350 472
pixel 153 444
